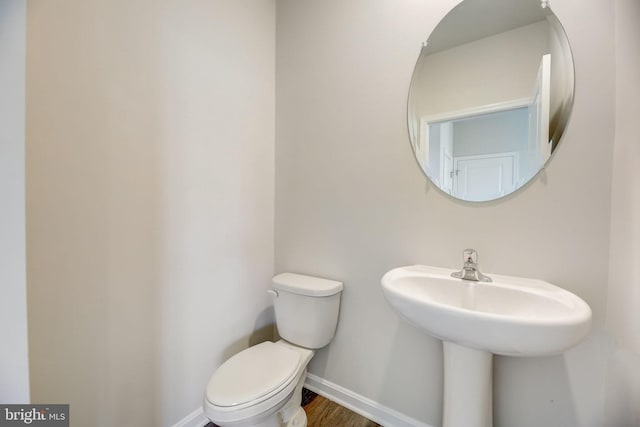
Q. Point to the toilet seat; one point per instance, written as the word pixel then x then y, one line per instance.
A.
pixel 257 380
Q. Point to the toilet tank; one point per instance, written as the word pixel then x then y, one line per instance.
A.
pixel 306 309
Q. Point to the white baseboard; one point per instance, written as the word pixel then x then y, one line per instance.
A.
pixel 194 419
pixel 366 407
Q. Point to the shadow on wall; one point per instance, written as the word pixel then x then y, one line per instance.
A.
pixel 260 334
pixel 533 391
pixel 622 404
pixel 426 362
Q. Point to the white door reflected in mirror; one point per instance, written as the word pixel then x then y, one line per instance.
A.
pixel 488 152
pixel 484 177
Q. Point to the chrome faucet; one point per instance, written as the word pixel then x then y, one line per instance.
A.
pixel 470 268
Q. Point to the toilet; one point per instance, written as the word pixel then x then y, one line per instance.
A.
pixel 262 385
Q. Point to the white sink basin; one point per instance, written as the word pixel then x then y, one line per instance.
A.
pixel 510 316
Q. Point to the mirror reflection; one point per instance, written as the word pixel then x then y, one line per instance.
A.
pixel 490 97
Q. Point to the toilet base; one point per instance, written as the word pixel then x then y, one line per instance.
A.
pixel 298 420
pixel 292 414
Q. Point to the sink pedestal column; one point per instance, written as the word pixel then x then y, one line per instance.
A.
pixel 467 387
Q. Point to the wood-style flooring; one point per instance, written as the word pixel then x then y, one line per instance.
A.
pixel 321 412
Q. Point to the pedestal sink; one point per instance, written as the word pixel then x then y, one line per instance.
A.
pixel 510 316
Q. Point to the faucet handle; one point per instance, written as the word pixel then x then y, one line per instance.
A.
pixel 470 269
pixel 470 256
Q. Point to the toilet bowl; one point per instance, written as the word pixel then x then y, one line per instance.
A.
pixel 262 385
pixel 257 383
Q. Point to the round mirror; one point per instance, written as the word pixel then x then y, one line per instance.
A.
pixel 490 97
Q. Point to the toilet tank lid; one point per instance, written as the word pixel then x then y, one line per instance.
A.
pixel 306 285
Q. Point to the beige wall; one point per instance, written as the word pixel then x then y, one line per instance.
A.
pixel 351 203
pixel 623 314
pixel 14 358
pixel 624 301
pixel 150 131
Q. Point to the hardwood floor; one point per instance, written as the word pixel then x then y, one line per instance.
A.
pixel 321 412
